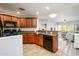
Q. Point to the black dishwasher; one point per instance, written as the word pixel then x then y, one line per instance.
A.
pixel 47 42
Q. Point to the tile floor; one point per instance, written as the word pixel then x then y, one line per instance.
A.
pixel 35 50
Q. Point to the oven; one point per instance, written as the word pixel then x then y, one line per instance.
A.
pixel 10 32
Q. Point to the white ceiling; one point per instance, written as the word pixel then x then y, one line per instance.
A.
pixel 69 11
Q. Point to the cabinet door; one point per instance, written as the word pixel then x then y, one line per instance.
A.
pixel 18 22
pixel 36 39
pixel 55 43
pixel 40 40
pixel 28 23
pixel 7 18
pixel 34 23
pixel 24 38
pixel 22 22
pixel 14 18
pixel 1 17
pixel 31 38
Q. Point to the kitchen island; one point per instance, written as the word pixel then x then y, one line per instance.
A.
pixel 11 46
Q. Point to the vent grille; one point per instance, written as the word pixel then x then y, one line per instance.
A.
pixel 22 9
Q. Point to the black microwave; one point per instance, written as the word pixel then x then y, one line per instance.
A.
pixel 10 24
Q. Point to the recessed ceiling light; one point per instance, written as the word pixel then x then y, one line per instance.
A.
pixel 37 12
pixel 53 15
pixel 18 12
pixel 47 7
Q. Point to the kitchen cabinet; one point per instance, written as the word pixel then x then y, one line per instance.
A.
pixel 34 23
pixel 22 23
pixel 36 39
pixel 16 19
pixel 31 38
pixel 7 18
pixel 50 42
pixel 18 22
pixel 24 37
pixel 39 40
pixel 55 43
pixel 31 22
pixel 28 38
pixel 1 17
pixel 28 22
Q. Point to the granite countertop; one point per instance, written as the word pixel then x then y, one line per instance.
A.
pixel 26 31
pixel 54 33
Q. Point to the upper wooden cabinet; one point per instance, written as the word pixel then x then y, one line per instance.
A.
pixel 31 22
pixel 14 19
pixel 31 37
pixel 34 23
pixel 18 22
pixel 22 22
pixel 28 22
pixel 7 18
pixel 1 17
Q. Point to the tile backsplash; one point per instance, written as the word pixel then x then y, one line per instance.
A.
pixel 27 29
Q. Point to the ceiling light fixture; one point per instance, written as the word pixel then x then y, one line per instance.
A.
pixel 47 8
pixel 53 15
pixel 37 12
pixel 18 12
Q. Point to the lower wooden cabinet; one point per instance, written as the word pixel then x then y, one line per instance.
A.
pixel 36 39
pixel 28 38
pixel 24 37
pixel 40 40
pixel 55 43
